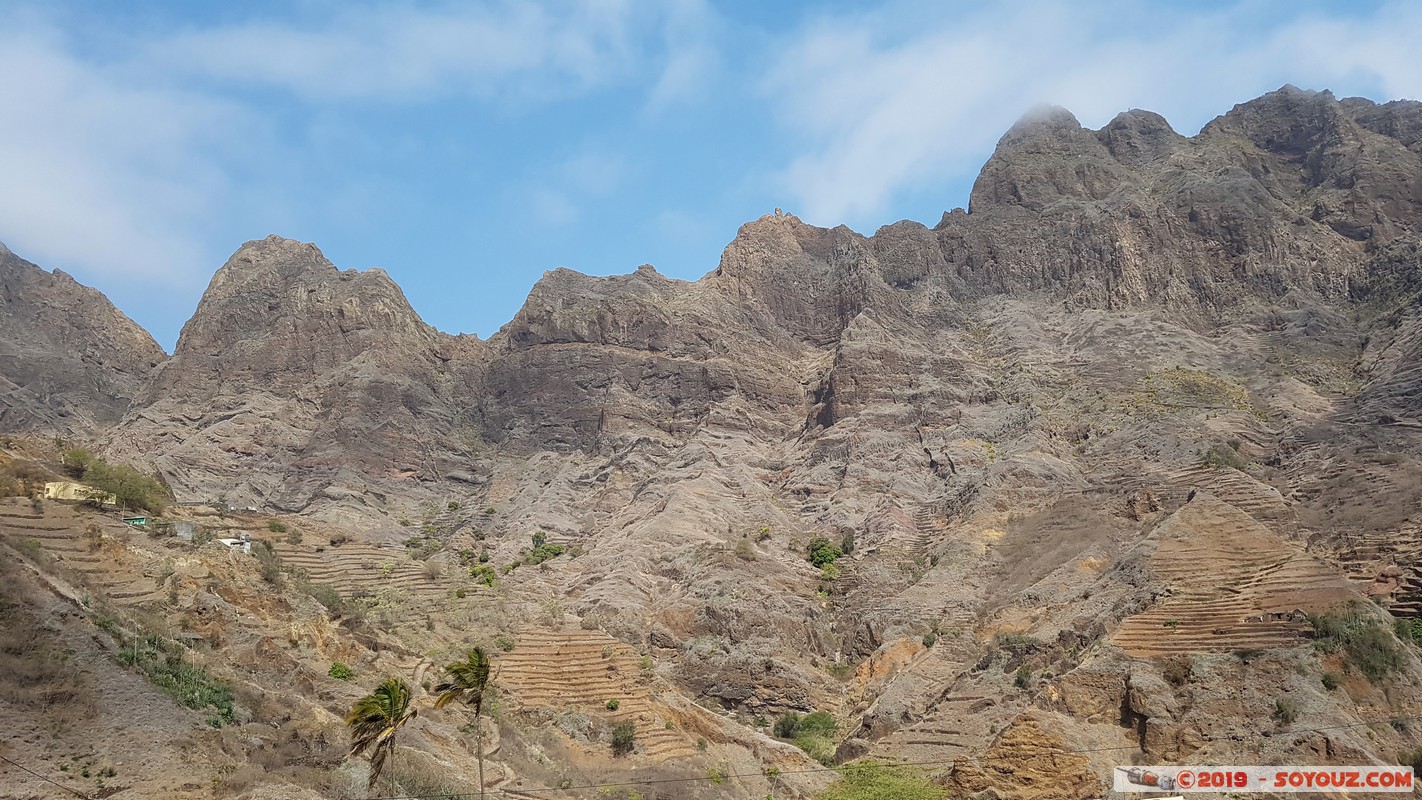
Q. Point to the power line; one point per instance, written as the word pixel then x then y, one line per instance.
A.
pixel 43 778
pixel 886 764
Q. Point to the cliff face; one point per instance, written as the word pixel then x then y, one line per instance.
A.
pixel 70 363
pixel 1134 346
pixel 295 383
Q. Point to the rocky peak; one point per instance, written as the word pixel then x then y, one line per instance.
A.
pixel 1291 122
pixel 279 304
pixel 1138 137
pixel 1046 157
pixel 69 361
pixel 812 281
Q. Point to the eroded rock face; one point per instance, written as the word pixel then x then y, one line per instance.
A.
pixel 999 413
pixel 70 363
pixel 297 384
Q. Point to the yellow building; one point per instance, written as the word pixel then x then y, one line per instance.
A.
pixel 69 490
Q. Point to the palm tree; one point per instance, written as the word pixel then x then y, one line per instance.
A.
pixel 468 682
pixel 374 720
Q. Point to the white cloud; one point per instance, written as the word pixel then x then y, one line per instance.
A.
pixel 520 51
pixel 101 175
pixel 902 97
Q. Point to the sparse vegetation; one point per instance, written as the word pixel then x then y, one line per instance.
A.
pixel 1285 711
pixel 868 780
pixel 813 733
pixel 128 486
pixel 822 552
pixel 327 596
pixel 1367 646
pixel 1222 456
pixel 745 550
pixel 1017 644
pixel 268 562
pixel 483 573
pixel 1331 681
pixel 1408 630
pixel 624 738
pixel 1177 670
pixel 162 661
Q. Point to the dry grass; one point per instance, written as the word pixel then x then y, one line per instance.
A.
pixel 38 674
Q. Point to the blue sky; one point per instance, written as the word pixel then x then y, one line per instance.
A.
pixel 468 147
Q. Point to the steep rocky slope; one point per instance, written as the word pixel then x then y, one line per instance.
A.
pixel 70 362
pixel 1095 440
pixel 295 383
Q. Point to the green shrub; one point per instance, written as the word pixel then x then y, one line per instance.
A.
pixel 542 552
pixel 483 573
pixel 129 486
pixel 822 553
pixel 276 526
pixel 1331 681
pixel 1408 630
pixel 787 725
pixel 1365 643
pixel 268 562
pixel 1222 456
pixel 327 596
pixel 612 705
pixel 1285 711
pixel 929 639
pixel 868 780
pixel 340 671
pixel 504 642
pixel 1023 678
pixel 161 661
pixel 817 723
pixel 624 738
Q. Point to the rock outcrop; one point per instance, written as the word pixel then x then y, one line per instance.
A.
pixel 70 363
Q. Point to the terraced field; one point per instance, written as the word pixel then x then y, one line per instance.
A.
pixel 1228 579
pixel 357 568
pixel 581 671
pixel 58 531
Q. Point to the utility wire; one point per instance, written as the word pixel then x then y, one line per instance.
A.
pixel 43 778
pixel 885 764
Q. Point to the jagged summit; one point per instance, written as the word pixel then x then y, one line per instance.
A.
pixel 70 362
pixel 1141 358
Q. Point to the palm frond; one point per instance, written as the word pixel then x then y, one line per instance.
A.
pixel 375 719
